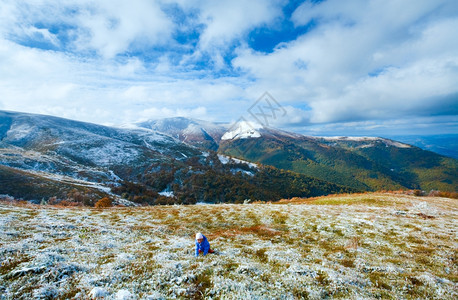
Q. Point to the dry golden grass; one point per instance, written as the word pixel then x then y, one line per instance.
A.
pixel 380 245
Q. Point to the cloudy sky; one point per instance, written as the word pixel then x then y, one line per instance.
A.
pixel 353 67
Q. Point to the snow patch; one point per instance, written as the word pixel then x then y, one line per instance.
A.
pixel 130 126
pixel 167 193
pixel 396 144
pixel 125 295
pixel 366 139
pixel 351 138
pixel 97 293
pixel 20 132
pixel 234 171
pixel 155 296
pixel 114 176
pixel 125 256
pixel 68 179
pixel 367 146
pixel 203 203
pixel 46 292
pixel 226 159
pixel 193 129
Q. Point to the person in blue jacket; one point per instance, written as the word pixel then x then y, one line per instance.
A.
pixel 202 245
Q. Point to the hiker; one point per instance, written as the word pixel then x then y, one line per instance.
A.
pixel 202 245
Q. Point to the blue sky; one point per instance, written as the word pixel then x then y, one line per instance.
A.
pixel 355 67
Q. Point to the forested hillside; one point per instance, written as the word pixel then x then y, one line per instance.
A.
pixel 361 163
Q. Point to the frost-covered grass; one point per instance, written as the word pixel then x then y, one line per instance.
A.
pixel 361 246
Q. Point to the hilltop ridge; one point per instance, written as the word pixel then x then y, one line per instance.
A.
pixel 80 162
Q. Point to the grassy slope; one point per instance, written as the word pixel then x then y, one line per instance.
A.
pixel 427 169
pixel 27 186
pixel 334 164
pixel 349 246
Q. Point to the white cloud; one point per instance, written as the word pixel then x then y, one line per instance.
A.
pixel 112 27
pixel 293 116
pixel 49 82
pixel 385 128
pixel 109 27
pixel 41 35
pixel 31 75
pixel 227 23
pixel 361 61
pixel 364 60
pixel 229 20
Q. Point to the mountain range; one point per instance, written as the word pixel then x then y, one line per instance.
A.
pixel 199 133
pixel 44 157
pixel 76 155
pixel 181 160
pixel 363 163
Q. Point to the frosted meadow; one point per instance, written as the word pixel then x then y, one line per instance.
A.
pixel 348 246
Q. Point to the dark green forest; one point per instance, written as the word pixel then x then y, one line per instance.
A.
pixel 211 181
pixel 373 166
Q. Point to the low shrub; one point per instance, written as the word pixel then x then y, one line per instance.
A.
pixel 104 203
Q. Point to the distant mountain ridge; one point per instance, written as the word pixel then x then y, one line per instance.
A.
pixel 46 142
pixel 44 157
pixel 363 163
pixel 367 163
pixel 173 161
pixel 45 148
pixel 444 144
pixel 195 132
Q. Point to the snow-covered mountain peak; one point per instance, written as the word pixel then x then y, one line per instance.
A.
pixel 243 130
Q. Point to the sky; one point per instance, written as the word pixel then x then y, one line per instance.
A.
pixel 332 67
